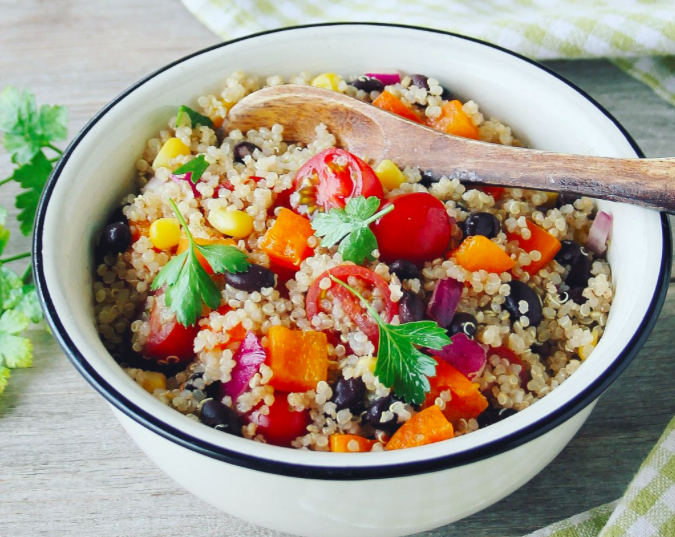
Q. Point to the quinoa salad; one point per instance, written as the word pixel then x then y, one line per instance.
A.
pixel 310 298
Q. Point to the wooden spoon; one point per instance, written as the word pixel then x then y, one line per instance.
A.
pixel 374 135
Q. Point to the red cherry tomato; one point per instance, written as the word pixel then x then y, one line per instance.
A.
pixel 351 305
pixel 418 229
pixel 168 341
pixel 330 179
pixel 283 424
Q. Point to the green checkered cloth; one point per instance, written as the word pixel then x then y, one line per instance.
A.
pixel 647 508
pixel 638 35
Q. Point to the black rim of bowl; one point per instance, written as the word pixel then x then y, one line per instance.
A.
pixel 477 453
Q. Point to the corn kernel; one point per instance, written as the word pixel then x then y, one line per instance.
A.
pixel 327 81
pixel 389 175
pixel 152 381
pixel 172 148
pixel 587 349
pixel 237 224
pixel 165 233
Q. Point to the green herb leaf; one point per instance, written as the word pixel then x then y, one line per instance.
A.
pixel 196 167
pixel 32 177
pixel 195 117
pixel 224 258
pixel 27 303
pixel 4 232
pixel 188 285
pixel 350 227
pixel 4 376
pixel 26 129
pixel 401 366
pixel 10 283
pixel 15 351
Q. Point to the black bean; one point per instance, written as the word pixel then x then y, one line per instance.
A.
pixel 192 384
pixel 421 81
pixel 404 269
pixel 410 307
pixel 522 292
pixel 580 271
pixel 367 84
pixel 575 295
pixel 490 416
pixel 429 178
pixel 569 251
pixel 253 279
pixel 485 224
pixel 243 149
pixel 565 199
pixel 118 216
pixel 374 414
pixel 215 414
pixel 463 323
pixel 116 238
pixel 349 393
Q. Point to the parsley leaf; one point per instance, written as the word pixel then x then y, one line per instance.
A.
pixel 4 375
pixel 195 117
pixel 27 302
pixel 26 129
pixel 196 168
pixel 188 285
pixel 15 351
pixel 4 232
pixel 33 177
pixel 9 284
pixel 401 366
pixel 350 225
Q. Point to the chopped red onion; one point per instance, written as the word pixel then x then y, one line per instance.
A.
pixel 599 233
pixel 186 177
pixel 464 354
pixel 386 78
pixel 248 358
pixel 444 301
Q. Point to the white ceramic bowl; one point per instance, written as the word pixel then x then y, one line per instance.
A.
pixel 328 494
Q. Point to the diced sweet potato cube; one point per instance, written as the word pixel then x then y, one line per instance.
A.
pixel 480 253
pixel 349 443
pixel 299 360
pixel 467 402
pixel 286 241
pixel 540 240
pixel 425 427
pixel 454 120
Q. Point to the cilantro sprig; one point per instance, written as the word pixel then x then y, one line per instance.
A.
pixel 195 117
pixel 401 366
pixel 29 134
pixel 188 285
pixel 349 227
pixel 193 169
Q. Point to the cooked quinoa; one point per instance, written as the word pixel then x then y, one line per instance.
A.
pixel 549 352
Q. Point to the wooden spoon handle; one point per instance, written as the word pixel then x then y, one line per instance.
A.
pixel 645 182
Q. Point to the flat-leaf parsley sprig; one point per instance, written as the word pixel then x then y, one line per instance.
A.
pixel 349 227
pixel 401 366
pixel 188 285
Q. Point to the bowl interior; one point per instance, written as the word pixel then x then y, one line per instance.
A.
pixel 541 109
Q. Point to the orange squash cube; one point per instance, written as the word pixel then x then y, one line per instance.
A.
pixel 349 443
pixel 467 402
pixel 425 427
pixel 286 241
pixel 454 120
pixel 542 241
pixel 299 360
pixel 389 102
pixel 480 253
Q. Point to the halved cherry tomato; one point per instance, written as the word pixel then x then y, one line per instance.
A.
pixel 168 341
pixel 418 229
pixel 351 305
pixel 330 179
pixel 283 424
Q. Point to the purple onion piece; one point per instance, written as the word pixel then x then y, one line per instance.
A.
pixel 444 301
pixel 599 233
pixel 187 177
pixel 464 354
pixel 386 78
pixel 249 356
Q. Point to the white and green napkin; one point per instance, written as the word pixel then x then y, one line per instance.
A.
pixel 637 35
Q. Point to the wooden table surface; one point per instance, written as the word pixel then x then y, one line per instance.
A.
pixel 67 467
